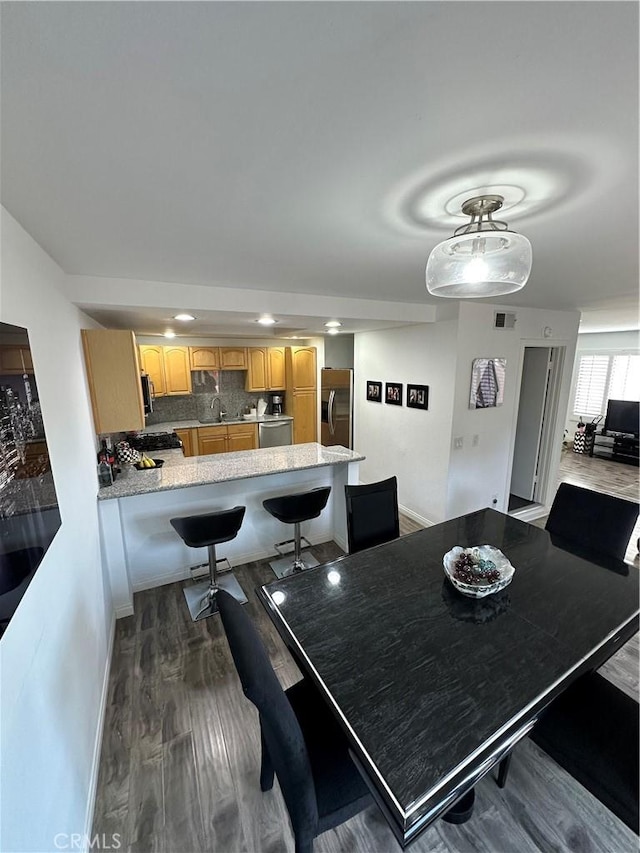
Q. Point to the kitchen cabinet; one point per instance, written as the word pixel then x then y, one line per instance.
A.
pixel 301 401
pixel 187 438
pixel 301 368
pixel 113 375
pixel 204 358
pixel 168 369
pixel 177 372
pixel 15 360
pixel 223 438
pixel 303 407
pixel 152 362
pixel 233 358
pixel 265 369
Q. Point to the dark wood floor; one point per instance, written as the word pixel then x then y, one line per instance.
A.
pixel 180 754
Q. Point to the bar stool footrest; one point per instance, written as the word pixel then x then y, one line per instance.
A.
pixel 278 545
pixel 196 595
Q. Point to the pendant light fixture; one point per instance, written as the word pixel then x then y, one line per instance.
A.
pixel 483 258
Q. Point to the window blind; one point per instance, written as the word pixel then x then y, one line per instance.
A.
pixel 625 378
pixel 591 385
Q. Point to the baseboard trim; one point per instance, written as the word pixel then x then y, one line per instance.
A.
pixel 97 746
pixel 530 513
pixel 419 519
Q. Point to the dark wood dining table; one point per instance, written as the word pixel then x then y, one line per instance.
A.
pixel 434 688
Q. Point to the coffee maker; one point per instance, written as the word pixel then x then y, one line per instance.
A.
pixel 277 404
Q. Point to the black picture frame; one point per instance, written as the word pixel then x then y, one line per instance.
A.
pixel 417 396
pixel 374 392
pixel 393 393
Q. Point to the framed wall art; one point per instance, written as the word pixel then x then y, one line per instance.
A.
pixel 374 392
pixel 393 393
pixel 418 396
pixel 487 383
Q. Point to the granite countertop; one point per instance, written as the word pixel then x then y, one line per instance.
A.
pixel 179 472
pixel 169 426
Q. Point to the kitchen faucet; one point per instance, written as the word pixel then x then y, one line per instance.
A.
pixel 220 410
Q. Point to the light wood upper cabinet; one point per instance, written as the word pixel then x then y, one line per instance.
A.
pixel 188 438
pixel 276 364
pixel 233 358
pixel 204 358
pixel 301 368
pixel 168 369
pixel 113 373
pixel 15 360
pixel 265 369
pixel 177 372
pixel 152 362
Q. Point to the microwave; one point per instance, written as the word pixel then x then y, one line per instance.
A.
pixel 147 393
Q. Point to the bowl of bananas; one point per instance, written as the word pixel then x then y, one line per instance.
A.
pixel 146 463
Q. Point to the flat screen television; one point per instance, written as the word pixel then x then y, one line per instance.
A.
pixel 623 416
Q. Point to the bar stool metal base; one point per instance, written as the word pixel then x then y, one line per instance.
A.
pixel 288 565
pixel 199 600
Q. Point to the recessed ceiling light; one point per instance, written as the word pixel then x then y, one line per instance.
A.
pixel 333 331
pixel 266 320
pixel 184 318
pixel 169 334
pixel 333 324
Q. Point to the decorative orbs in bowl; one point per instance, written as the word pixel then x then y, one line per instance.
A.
pixel 478 571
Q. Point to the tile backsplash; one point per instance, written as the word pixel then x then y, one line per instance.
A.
pixel 207 384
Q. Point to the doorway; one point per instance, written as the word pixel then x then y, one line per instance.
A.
pixel 537 409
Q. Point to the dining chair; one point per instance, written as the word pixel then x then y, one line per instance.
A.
pixel 301 740
pixel 593 520
pixel 591 730
pixel 372 514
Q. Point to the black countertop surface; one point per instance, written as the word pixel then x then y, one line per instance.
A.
pixel 426 678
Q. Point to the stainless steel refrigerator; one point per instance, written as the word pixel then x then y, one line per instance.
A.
pixel 336 401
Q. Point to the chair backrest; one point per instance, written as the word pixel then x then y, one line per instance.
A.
pixel 281 730
pixel 593 520
pixel 372 514
pixel 298 507
pixel 212 528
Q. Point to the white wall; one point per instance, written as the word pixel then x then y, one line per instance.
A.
pixel 594 343
pixel 410 443
pixel 54 654
pixel 477 473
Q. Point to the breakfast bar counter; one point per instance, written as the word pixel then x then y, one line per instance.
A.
pixel 141 550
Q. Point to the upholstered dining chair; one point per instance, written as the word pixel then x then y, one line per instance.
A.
pixel 301 740
pixel 372 514
pixel 592 520
pixel 591 730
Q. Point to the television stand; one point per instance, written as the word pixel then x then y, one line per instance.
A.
pixel 616 446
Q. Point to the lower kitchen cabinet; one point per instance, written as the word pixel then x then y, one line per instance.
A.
pixel 223 438
pixel 303 407
pixel 187 437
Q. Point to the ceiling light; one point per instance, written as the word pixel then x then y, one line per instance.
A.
pixel 169 334
pixel 184 318
pixel 266 320
pixel 332 331
pixel 333 324
pixel 483 258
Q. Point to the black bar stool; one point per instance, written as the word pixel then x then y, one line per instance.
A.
pixel 294 509
pixel 207 531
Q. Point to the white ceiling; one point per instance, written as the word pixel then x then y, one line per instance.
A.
pixel 315 148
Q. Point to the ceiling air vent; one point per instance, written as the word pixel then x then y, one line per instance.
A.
pixel 504 321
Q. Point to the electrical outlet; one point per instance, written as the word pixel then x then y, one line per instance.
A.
pixel 458 442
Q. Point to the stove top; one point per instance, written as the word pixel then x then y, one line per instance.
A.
pixel 155 441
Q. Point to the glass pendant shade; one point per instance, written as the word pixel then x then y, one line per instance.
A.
pixel 486 260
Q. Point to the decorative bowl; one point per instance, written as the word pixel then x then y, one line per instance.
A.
pixel 477 553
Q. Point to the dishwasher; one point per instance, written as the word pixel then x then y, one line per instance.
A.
pixel 274 433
